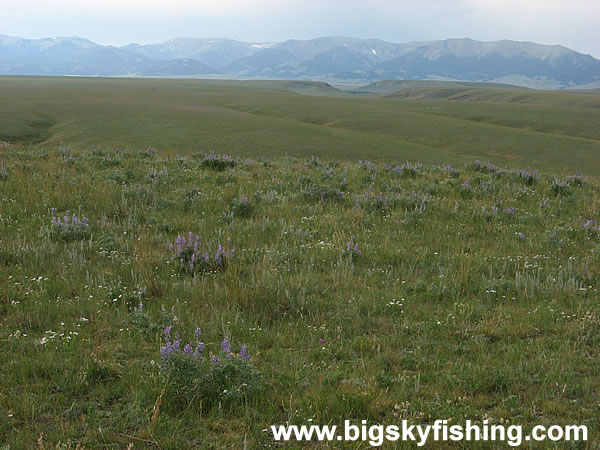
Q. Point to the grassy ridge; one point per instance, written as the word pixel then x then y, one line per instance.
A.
pixel 266 118
pixel 474 296
pixel 388 86
pixel 567 99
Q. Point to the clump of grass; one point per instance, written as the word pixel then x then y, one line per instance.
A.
pixel 560 188
pixel 406 169
pixel 218 162
pixel 196 376
pixel 241 207
pixel 69 227
pixel 320 192
pixel 188 254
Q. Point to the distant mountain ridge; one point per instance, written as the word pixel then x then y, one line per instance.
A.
pixel 332 59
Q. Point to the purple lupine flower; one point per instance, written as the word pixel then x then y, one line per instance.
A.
pixel 215 360
pixel 351 248
pixel 199 349
pixel 225 346
pixel 197 334
pixel 521 236
pixel 244 353
pixel 168 334
pixel 69 222
pixel 167 350
pixel 192 258
pixel 187 349
pixel 590 223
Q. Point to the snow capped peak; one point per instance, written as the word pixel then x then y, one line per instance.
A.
pixel 263 45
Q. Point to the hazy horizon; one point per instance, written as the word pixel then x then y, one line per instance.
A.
pixel 110 22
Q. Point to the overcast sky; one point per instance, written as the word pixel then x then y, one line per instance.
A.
pixel 573 23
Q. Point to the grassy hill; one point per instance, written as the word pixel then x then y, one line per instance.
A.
pixel 551 130
pixel 387 86
pixel 318 88
pixel 567 99
pixel 363 291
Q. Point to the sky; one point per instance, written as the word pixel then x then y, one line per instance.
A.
pixel 573 23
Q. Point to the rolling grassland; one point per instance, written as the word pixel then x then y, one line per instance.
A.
pixel 450 124
pixel 175 298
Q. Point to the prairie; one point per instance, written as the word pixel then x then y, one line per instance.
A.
pixel 184 263
pixel 361 290
pixel 450 124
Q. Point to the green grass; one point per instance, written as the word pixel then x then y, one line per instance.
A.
pixel 546 130
pixel 448 312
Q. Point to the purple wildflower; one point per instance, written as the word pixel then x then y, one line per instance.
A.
pixel 199 349
pixel 351 248
pixel 226 347
pixel 193 259
pixel 165 352
pixel 244 353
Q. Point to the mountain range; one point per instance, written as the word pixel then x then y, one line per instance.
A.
pixel 332 59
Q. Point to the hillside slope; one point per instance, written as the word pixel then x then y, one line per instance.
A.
pixel 555 130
